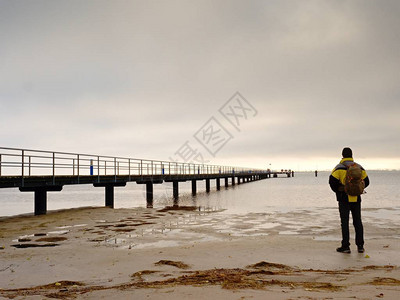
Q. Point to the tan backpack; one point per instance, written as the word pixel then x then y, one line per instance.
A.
pixel 354 184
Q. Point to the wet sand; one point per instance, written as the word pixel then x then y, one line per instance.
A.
pixel 95 253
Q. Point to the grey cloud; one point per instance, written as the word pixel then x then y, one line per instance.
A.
pixel 135 75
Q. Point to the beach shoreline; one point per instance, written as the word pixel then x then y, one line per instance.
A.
pixel 92 253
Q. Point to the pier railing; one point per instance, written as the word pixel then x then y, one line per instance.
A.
pixel 28 163
pixel 42 171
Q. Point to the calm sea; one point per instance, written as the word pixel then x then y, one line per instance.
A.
pixel 304 191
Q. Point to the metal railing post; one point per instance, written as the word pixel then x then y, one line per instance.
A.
pixel 98 168
pixel 141 168
pixel 105 167
pixel 78 166
pixel 23 166
pixel 29 169
pixel 54 170
pixel 115 169
pixel 129 167
pixel 0 164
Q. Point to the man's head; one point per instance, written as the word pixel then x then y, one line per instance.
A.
pixel 347 153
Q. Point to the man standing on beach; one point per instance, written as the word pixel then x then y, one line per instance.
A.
pixel 347 203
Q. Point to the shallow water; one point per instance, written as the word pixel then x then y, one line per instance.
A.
pixel 303 205
pixel 304 191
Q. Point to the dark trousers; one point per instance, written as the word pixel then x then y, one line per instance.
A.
pixel 344 209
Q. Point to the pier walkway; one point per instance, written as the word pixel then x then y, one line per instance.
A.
pixel 41 171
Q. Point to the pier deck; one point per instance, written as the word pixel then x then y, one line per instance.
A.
pixel 44 171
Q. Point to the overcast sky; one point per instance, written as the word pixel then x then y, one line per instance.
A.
pixel 285 84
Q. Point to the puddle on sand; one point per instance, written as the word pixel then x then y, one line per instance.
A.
pixel 327 238
pixel 58 232
pixel 158 244
pixel 52 239
pixel 23 238
pixel 22 246
pixel 39 234
pixel 288 232
pixel 71 226
pixel 28 237
pixel 115 241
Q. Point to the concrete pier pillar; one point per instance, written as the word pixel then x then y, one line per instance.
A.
pixel 40 196
pixel 238 180
pixel 218 183
pixel 40 202
pixel 226 182
pixel 109 200
pixel 207 185
pixel 175 186
pixel 175 192
pixel 149 190
pixel 109 191
pixel 149 194
pixel 194 187
pixel 233 180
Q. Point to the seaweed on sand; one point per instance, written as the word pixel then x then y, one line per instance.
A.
pixel 234 279
pixel 231 279
pixel 177 264
pixel 386 281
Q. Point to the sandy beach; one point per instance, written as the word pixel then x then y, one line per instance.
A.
pixel 102 253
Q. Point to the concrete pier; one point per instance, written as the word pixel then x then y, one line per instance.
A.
pixel 175 187
pixel 42 171
pixel 194 187
pixel 40 197
pixel 149 195
pixel 109 191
